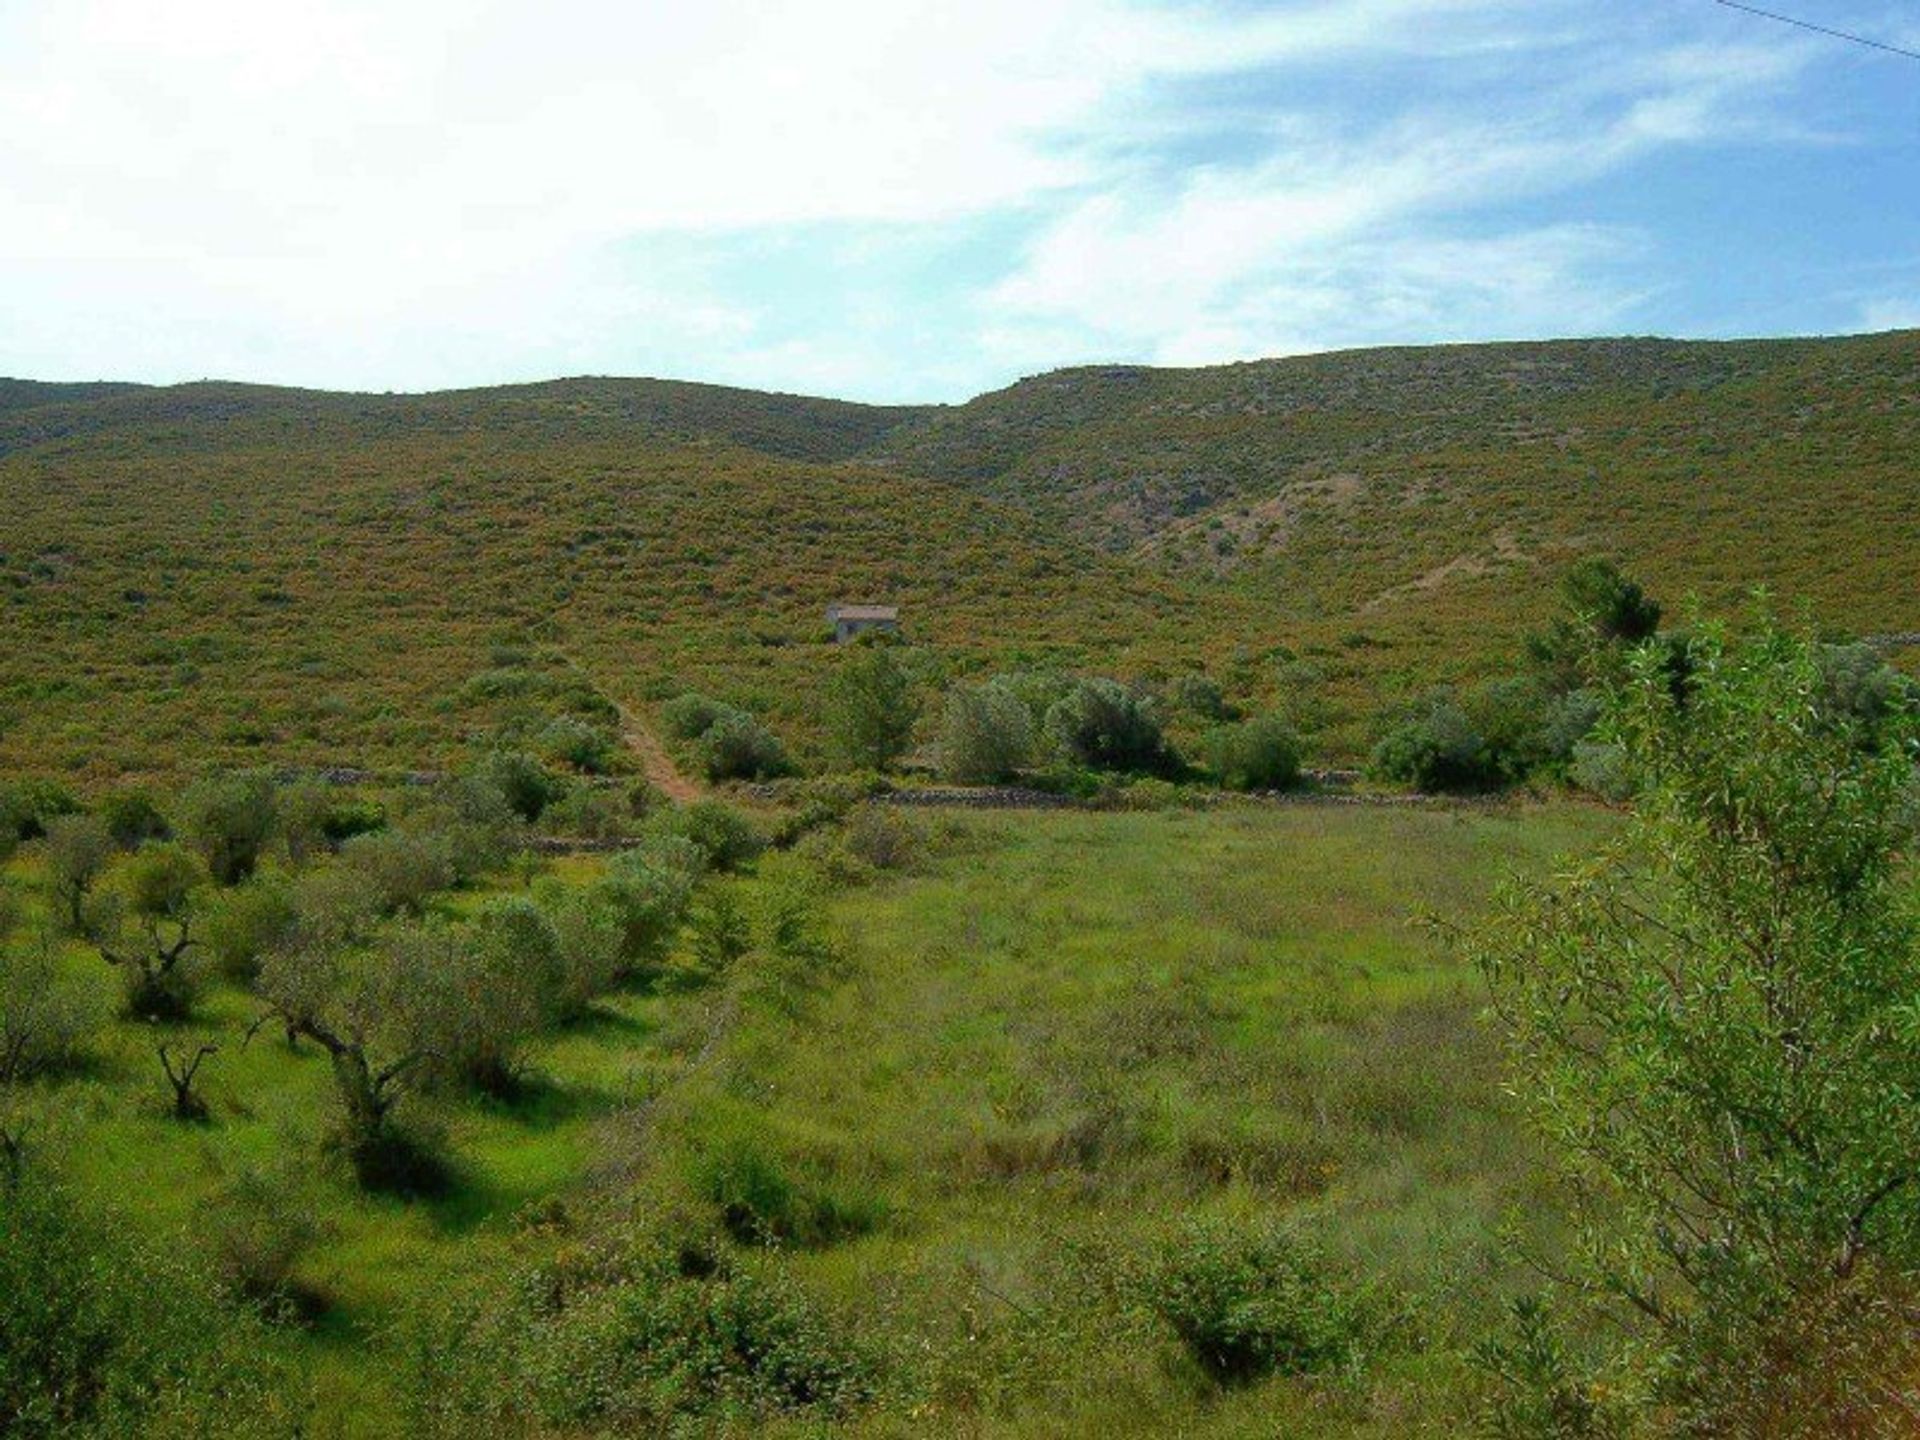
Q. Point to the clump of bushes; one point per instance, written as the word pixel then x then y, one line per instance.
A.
pixel 761 1201
pixel 723 834
pixel 44 1016
pixel 227 819
pixel 732 744
pixel 986 735
pixel 1258 754
pixel 1102 725
pixel 739 747
pixel 683 1336
pixel 1246 1304
pixel 101 1334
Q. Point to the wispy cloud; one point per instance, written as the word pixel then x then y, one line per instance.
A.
pixel 883 196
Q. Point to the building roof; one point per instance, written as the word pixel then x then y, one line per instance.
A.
pixel 863 612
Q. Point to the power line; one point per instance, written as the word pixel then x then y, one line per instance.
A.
pixel 1821 29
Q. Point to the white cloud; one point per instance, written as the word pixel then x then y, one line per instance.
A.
pixel 1339 238
pixel 425 192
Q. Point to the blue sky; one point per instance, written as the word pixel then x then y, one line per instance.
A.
pixel 918 200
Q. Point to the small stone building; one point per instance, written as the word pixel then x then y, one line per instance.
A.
pixel 851 620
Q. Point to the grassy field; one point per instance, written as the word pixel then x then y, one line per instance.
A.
pixel 1022 1069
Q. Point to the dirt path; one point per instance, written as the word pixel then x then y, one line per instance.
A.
pixel 655 762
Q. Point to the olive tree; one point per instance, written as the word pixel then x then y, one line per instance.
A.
pixel 227 819
pixel 1717 1025
pixel 78 849
pixel 376 1013
pixel 144 929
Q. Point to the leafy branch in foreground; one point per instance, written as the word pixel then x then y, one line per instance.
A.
pixel 1717 1024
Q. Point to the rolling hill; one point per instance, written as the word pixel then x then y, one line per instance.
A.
pixel 242 572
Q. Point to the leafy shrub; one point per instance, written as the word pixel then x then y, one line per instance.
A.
pixel 646 892
pixel 244 923
pixel 1863 694
pixel 77 849
pixel 739 747
pixel 1540 1392
pixel 883 837
pixel 595 813
pixel 584 746
pixel 986 736
pixel 1200 697
pixel 1105 726
pixel 27 805
pixel 1437 748
pixel 682 1339
pixel 132 817
pixel 142 927
pixel 721 933
pixel 761 1203
pixel 523 783
pixel 1247 1304
pixel 227 819
pixel 103 1335
pixel 45 1017
pixel 400 869
pixel 262 1229
pixel 689 716
pixel 469 822
pixel 871 709
pixel 723 834
pixel 588 944
pixel 1260 754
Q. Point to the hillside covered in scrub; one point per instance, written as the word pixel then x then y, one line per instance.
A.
pixel 303 577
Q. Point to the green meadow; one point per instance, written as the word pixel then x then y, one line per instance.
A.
pixel 1010 1077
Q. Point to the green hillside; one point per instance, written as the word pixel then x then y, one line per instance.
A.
pixel 1423 496
pixel 297 575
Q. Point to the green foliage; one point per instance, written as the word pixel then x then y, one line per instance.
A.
pixel 1258 754
pixel 1437 747
pixel 1201 697
pixel 689 716
pixel 1248 1304
pixel 77 850
pixel 400 869
pixel 576 743
pixel 1602 614
pixel 27 805
pixel 1716 1022
pixel 244 923
pixel 726 836
pixel 720 932
pixel 133 817
pixel 646 892
pixel 592 933
pixel 761 1201
pixel 681 1339
pixel 227 819
pixel 871 709
pixel 46 1016
pixel 986 736
pixel 1102 725
pixel 527 787
pixel 1867 696
pixel 1541 1392
pixel 104 1334
pixel 738 747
